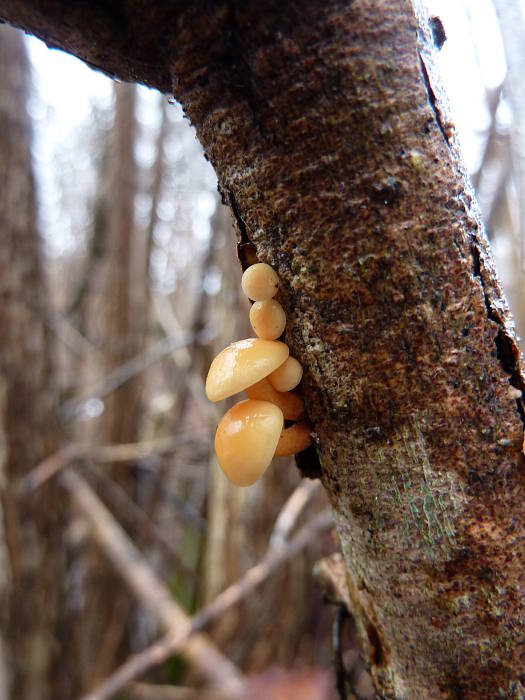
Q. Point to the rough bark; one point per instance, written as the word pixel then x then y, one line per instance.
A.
pixel 32 569
pixel 332 148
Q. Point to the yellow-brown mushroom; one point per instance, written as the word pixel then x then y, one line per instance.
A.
pixel 268 319
pixel 260 282
pixel 250 434
pixel 242 364
pixel 287 376
pixel 246 439
pixel 290 404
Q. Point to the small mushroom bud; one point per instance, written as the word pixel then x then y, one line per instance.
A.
pixel 287 376
pixel 242 364
pixel 260 282
pixel 290 404
pixel 246 439
pixel 294 439
pixel 268 319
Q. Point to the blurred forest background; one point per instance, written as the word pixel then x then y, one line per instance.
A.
pixel 118 285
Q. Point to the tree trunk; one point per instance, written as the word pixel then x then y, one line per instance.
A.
pixel 35 665
pixel 331 144
pixel 122 334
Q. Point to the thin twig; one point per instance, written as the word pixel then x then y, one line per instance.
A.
pixel 177 640
pixel 119 500
pixel 493 97
pixel 151 592
pixel 291 510
pixel 140 450
pixel 147 691
pixel 73 338
pixel 73 407
pixel 232 595
pixel 125 452
pixel 47 468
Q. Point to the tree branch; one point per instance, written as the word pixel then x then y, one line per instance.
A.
pixel 291 511
pixel 117 377
pixel 153 595
pixel 126 452
pixel 177 639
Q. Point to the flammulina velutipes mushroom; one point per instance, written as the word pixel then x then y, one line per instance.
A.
pixel 251 433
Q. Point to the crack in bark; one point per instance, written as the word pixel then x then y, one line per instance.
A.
pixel 246 250
pixel 507 352
pixel 444 127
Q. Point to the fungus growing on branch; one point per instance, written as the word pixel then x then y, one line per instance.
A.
pixel 287 376
pixel 252 432
pixel 268 319
pixel 242 364
pixel 290 404
pixel 246 439
pixel 294 439
pixel 260 282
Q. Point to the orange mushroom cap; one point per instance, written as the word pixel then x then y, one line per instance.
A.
pixel 260 282
pixel 268 319
pixel 246 438
pixel 242 364
pixel 287 376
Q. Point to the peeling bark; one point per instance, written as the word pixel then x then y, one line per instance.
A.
pixel 333 148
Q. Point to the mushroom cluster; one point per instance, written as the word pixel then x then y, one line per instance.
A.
pixel 254 431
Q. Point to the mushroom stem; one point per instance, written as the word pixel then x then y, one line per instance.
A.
pixel 294 439
pixel 290 404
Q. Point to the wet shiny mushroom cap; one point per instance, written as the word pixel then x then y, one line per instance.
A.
pixel 268 319
pixel 242 364
pixel 246 440
pixel 287 376
pixel 260 282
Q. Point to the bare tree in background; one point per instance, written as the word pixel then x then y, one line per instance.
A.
pixel 86 621
pixel 34 663
pixel 120 326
